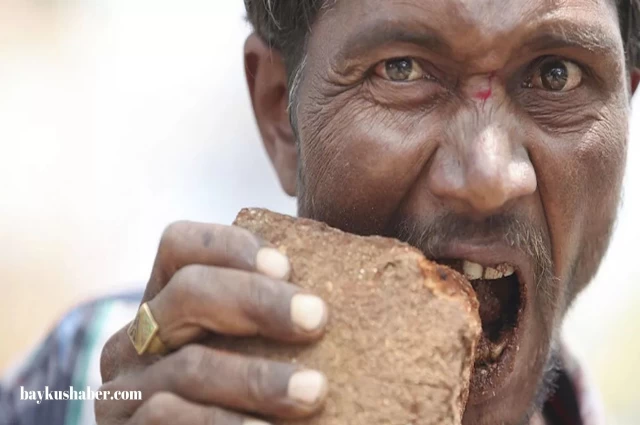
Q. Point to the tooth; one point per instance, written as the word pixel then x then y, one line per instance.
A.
pixel 497 350
pixel 491 273
pixel 472 270
pixel 506 269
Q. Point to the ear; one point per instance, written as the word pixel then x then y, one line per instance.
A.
pixel 267 80
pixel 635 79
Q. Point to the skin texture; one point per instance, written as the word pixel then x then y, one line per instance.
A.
pixel 474 158
pixel 209 278
pixel 471 143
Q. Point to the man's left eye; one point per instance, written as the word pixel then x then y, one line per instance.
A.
pixel 555 75
pixel 400 70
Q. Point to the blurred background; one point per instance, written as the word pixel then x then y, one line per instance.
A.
pixel 118 117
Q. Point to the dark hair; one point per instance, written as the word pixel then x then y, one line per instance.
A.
pixel 285 24
pixel 629 17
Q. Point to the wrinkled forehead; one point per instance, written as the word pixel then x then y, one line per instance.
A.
pixel 463 28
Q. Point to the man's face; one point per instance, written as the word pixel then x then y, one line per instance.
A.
pixel 478 130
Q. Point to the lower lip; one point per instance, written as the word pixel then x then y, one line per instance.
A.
pixel 488 380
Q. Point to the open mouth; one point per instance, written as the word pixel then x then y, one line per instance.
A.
pixel 501 295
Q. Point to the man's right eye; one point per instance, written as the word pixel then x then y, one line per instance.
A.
pixel 400 70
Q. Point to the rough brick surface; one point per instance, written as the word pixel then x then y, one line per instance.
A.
pixel 402 330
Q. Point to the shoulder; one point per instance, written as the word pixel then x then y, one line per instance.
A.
pixel 69 356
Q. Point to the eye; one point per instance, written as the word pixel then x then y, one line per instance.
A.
pixel 400 70
pixel 555 75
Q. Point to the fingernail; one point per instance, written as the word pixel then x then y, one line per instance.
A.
pixel 273 263
pixel 307 386
pixel 307 311
pixel 254 422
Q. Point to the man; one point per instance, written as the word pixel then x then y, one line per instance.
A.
pixel 484 131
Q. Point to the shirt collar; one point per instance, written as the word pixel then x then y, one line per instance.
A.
pixel 576 400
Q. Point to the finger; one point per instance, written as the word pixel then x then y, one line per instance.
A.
pixel 169 409
pixel 185 243
pixel 211 377
pixel 120 356
pixel 201 299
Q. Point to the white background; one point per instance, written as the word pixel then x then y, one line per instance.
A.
pixel 118 117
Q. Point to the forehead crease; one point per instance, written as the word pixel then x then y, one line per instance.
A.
pixel 469 25
pixel 472 12
pixel 485 21
pixel 481 20
pixel 493 13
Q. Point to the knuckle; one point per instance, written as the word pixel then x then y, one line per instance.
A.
pixel 101 410
pixel 157 410
pixel 172 233
pixel 183 292
pixel 104 409
pixel 241 242
pixel 257 381
pixel 246 236
pixel 184 279
pixel 217 416
pixel 190 364
pixel 108 361
pixel 168 248
pixel 262 294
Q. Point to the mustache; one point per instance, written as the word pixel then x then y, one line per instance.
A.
pixel 432 234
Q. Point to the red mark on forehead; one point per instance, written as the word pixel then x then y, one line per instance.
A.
pixel 485 93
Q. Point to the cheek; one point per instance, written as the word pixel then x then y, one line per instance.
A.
pixel 603 155
pixel 579 176
pixel 358 161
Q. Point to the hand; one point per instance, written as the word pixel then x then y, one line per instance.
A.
pixel 222 279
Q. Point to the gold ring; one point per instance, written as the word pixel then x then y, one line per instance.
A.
pixel 143 333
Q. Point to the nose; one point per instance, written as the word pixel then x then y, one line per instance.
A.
pixel 483 170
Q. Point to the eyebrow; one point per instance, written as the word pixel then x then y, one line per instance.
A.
pixel 378 34
pixel 557 35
